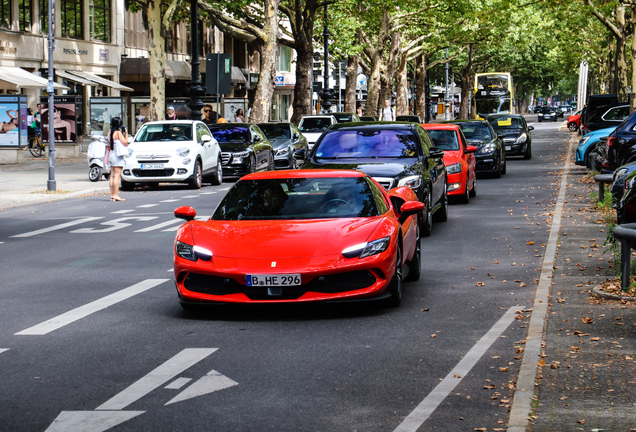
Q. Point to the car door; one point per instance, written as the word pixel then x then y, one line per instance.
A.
pixel 469 157
pixel 261 146
pixel 205 149
pixel 300 142
pixel 434 166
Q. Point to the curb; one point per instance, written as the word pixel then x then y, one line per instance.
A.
pixel 609 296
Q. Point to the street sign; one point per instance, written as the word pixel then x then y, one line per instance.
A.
pixel 317 87
pixel 218 65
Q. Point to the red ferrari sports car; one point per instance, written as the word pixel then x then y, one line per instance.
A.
pixel 458 158
pixel 300 236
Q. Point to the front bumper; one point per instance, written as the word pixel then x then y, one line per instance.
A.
pixel 513 149
pixel 172 171
pixel 234 166
pixel 284 162
pixel 456 184
pixel 486 163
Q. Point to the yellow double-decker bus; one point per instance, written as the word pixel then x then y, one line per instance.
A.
pixel 494 94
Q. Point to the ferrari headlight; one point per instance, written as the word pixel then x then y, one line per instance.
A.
pixel 487 149
pixel 193 253
pixel 454 168
pixel 522 138
pixel 376 247
pixel 413 182
pixel 182 152
pixel 282 152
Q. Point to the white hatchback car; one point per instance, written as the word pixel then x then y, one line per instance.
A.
pixel 313 126
pixel 173 151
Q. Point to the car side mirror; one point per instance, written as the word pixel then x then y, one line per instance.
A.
pixel 471 149
pixel 530 128
pixel 206 138
pixel 409 209
pixel 185 212
pixel 436 153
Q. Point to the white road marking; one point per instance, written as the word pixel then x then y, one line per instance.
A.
pixel 3 350
pixel 209 383
pixel 190 196
pixel 171 270
pixel 156 378
pixel 114 224
pixel 208 193
pixel 90 421
pixel 199 218
pixel 178 383
pixel 84 311
pixel 147 205
pixel 161 225
pixel 121 211
pixel 170 200
pixel 1 242
pixel 58 227
pixel 422 412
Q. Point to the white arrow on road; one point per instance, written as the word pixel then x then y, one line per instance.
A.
pixel 211 382
pixel 90 421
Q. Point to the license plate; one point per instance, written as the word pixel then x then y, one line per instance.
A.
pixel 508 147
pixel 273 280
pixel 151 166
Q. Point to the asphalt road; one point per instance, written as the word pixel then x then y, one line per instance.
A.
pixel 92 337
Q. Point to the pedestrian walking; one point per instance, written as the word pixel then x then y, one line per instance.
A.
pixel 118 143
pixel 388 112
pixel 171 114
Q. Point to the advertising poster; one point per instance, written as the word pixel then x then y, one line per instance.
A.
pixel 230 107
pixel 101 113
pixel 63 122
pixel 9 122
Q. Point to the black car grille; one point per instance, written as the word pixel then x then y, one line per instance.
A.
pixel 330 284
pixel 153 173
pixel 225 158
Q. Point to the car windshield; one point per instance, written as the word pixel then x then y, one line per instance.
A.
pixel 297 198
pixel 275 131
pixel 367 143
pixel 476 131
pixel 239 134
pixel 165 132
pixel 506 123
pixel 493 106
pixel 314 124
pixel 444 139
pixel 343 117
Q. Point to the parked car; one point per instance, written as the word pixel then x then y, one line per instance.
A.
pixel 288 143
pixel 547 113
pixel 313 126
pixel 244 149
pixel 408 118
pixel 606 117
pixel 574 121
pixel 621 145
pixel 265 241
pixel 368 118
pixel 621 175
pixel 588 143
pixel 564 108
pixel 459 159
pixel 596 102
pixel 394 154
pixel 515 132
pixel 490 156
pixel 173 151
pixel 626 207
pixel 345 117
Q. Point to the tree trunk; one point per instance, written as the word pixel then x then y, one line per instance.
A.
pixel 632 102
pixel 157 60
pixel 389 70
pixel 373 86
pixel 420 93
pixel 621 59
pixel 467 83
pixel 402 84
pixel 268 51
pixel 303 89
pixel 352 82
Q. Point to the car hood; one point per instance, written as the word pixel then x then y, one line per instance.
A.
pixel 312 137
pixel 158 147
pixel 280 142
pixel 282 239
pixel 387 168
pixel 452 157
pixel 601 132
pixel 233 146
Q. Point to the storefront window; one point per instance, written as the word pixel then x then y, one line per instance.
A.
pixel 44 15
pixel 284 59
pixel 5 13
pixel 100 20
pixel 72 19
pixel 26 17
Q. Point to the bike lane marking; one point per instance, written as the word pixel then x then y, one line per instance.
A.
pixel 422 412
pixel 90 308
pixel 160 225
pixel 57 227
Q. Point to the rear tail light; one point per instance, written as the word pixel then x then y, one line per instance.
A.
pixel 610 141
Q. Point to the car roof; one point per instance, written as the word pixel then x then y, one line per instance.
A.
pixel 171 122
pixel 372 125
pixel 230 125
pixel 440 126
pixel 306 173
pixel 465 121
pixel 317 116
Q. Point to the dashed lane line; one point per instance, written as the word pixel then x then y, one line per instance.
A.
pixel 147 205
pixel 90 308
pixel 170 200
pixel 121 211
pixel 57 227
pixel 3 350
pixel 422 412
pixel 190 196
pixel 160 225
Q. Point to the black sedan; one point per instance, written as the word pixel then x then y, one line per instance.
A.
pixel 515 132
pixel 491 157
pixel 394 154
pixel 626 207
pixel 244 149
pixel 604 118
pixel 289 144
pixel 621 145
pixel 546 113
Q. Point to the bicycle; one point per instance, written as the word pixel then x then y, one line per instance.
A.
pixel 36 147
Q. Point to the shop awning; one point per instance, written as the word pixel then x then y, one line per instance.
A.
pixel 101 81
pixel 24 79
pixel 70 77
pixel 237 76
pixel 178 70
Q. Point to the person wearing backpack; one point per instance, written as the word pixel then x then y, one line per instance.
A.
pixel 388 112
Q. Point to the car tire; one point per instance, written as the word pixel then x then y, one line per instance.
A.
pixel 497 173
pixel 573 127
pixel 395 287
pixel 126 186
pixel 528 154
pixel 555 119
pixel 504 170
pixel 197 179
pixel 539 120
pixel 217 179
pixel 415 264
pixel 465 197
pixel 427 220
pixel 441 215
pixel 473 191
pixel 95 173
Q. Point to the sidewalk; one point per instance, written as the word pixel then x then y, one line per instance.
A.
pixel 26 183
pixel 588 382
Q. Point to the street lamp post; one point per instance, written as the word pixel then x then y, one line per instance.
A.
pixel 50 184
pixel 326 93
pixel 196 90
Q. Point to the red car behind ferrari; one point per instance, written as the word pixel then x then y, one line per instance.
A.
pixel 300 236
